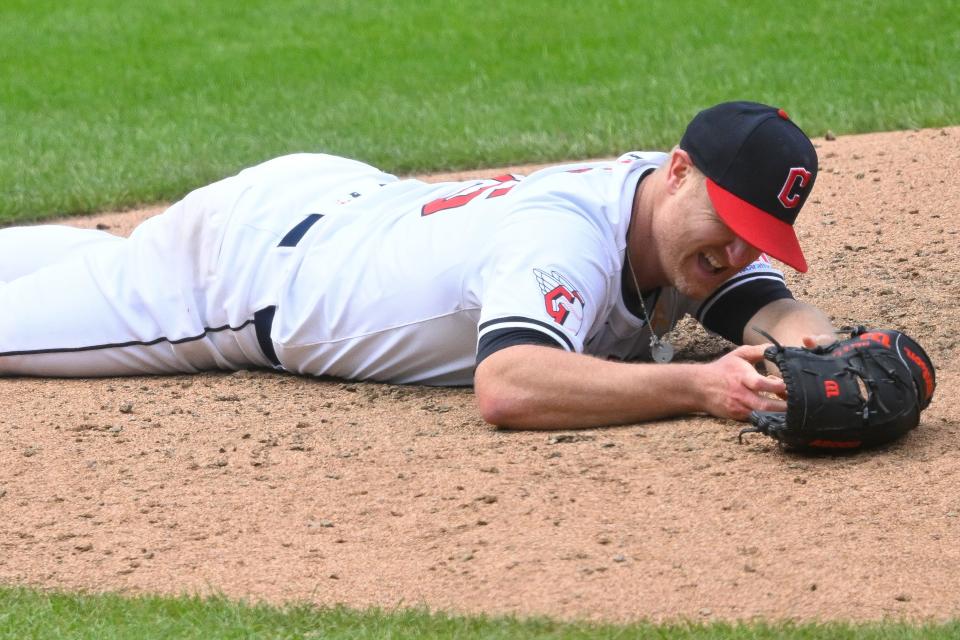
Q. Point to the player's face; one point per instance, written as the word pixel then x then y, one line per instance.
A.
pixel 697 250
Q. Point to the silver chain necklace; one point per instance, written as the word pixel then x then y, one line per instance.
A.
pixel 660 348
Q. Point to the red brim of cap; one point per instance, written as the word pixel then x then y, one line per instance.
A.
pixel 757 228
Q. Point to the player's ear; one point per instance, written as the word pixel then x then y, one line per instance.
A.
pixel 679 169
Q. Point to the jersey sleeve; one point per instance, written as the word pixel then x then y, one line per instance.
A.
pixel 727 310
pixel 544 283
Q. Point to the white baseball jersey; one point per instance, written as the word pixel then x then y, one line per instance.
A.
pixel 325 266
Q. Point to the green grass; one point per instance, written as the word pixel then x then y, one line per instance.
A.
pixel 30 614
pixel 107 104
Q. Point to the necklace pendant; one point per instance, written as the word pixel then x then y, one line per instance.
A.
pixel 661 350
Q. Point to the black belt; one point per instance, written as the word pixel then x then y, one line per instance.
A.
pixel 263 319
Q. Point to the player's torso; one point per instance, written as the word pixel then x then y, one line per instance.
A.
pixel 624 335
pixel 389 283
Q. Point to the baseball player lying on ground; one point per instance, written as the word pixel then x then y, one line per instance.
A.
pixel 543 292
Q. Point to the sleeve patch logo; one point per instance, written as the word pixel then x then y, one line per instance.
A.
pixel 563 303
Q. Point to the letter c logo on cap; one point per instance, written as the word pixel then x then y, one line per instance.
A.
pixel 787 197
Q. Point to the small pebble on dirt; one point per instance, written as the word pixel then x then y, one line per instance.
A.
pixel 126 407
pixel 569 437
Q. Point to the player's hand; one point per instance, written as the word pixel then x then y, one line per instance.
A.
pixel 821 340
pixel 733 387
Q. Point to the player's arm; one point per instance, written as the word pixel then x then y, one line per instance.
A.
pixel 758 297
pixel 791 323
pixel 539 387
pixel 540 300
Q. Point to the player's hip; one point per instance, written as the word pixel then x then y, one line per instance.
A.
pixel 393 357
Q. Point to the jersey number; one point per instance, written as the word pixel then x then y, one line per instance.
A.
pixel 469 194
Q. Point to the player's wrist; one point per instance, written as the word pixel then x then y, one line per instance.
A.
pixel 680 387
pixel 703 382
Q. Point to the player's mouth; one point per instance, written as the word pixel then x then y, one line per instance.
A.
pixel 710 264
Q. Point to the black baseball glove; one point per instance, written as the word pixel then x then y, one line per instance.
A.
pixel 864 391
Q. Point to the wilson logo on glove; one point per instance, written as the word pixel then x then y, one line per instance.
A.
pixel 831 388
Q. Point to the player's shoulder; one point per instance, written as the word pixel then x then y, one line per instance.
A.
pixel 594 193
pixel 590 185
pixel 604 169
pixel 305 163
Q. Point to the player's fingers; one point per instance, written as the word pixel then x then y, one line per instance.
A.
pixel 754 402
pixel 768 384
pixel 752 353
pixel 822 339
pixel 769 404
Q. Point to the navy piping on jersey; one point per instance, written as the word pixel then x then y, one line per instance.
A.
pixel 498 339
pixel 132 343
pixel 559 336
pixel 730 308
pixel 730 284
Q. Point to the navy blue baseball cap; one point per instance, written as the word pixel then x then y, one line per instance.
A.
pixel 760 168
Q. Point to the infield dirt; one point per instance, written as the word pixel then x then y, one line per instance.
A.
pixel 270 487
